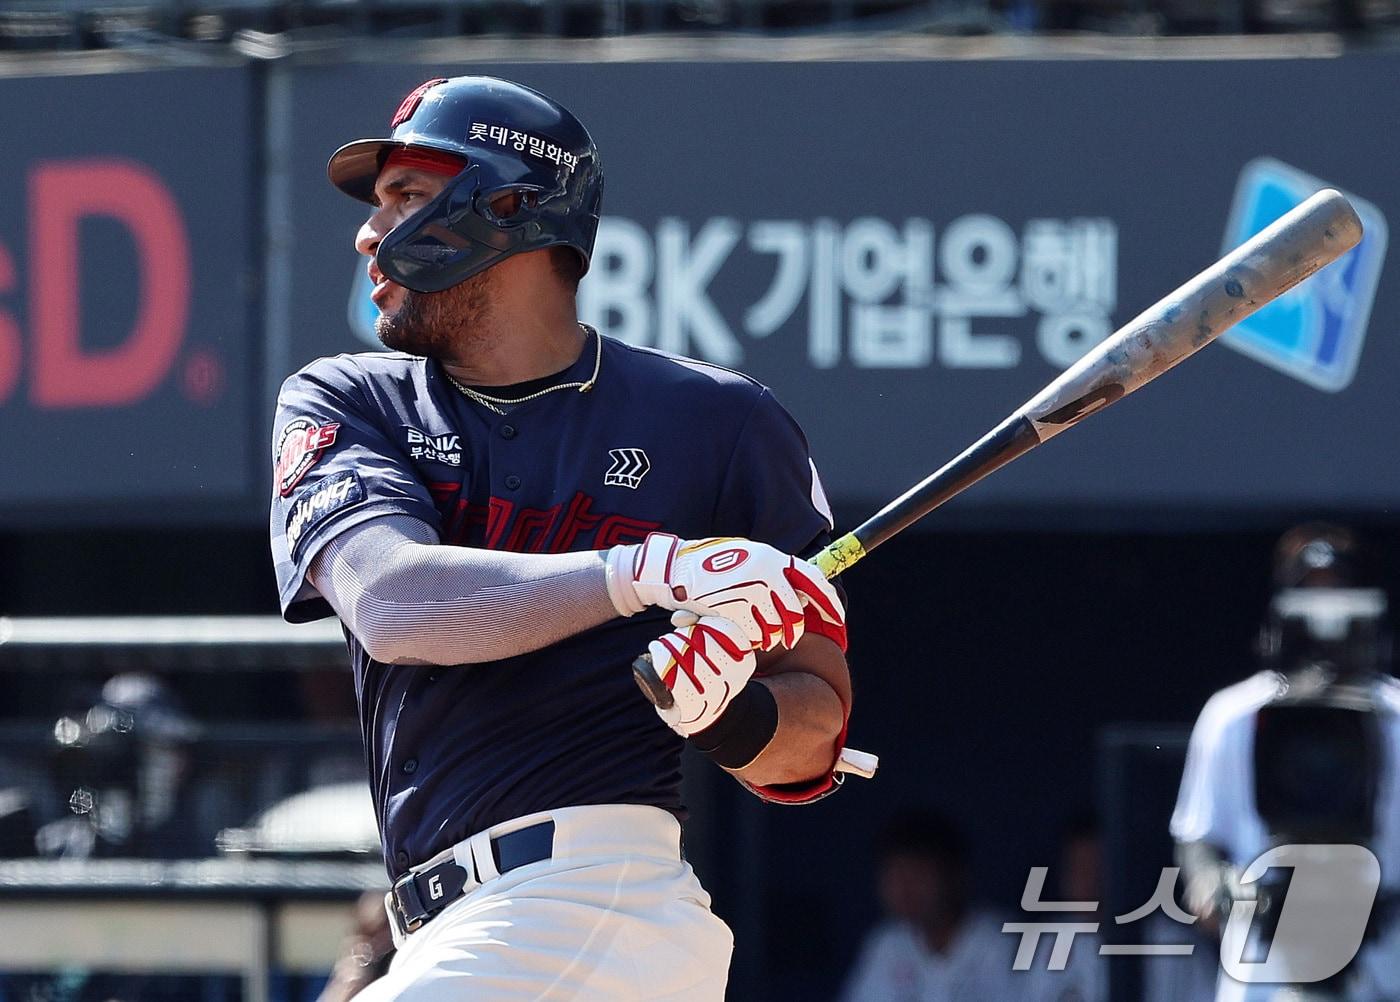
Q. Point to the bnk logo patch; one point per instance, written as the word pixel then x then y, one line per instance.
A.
pixel 1315 332
pixel 446 448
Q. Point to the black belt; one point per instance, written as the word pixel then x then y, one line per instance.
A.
pixel 421 893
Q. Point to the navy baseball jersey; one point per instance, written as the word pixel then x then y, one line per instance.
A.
pixel 658 443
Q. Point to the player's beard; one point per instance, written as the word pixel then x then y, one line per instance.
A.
pixel 439 325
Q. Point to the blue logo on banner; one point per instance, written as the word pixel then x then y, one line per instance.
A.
pixel 1315 332
pixel 362 312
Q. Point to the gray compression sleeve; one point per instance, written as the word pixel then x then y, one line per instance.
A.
pixel 410 600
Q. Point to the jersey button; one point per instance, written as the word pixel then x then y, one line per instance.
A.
pixel 401 858
pixel 507 431
pixel 512 481
pixel 410 767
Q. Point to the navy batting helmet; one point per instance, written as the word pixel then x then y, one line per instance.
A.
pixel 514 141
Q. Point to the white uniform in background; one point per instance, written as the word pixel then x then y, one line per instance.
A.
pixel 1216 805
pixel 1084 978
pixel 1172 978
pixel 896 965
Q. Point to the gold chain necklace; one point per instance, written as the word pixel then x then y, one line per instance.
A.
pixel 496 403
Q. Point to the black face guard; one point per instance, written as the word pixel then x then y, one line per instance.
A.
pixel 457 235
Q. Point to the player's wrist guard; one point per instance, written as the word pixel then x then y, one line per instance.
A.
pixel 743 730
pixel 807 791
pixel 620 564
pixel 849 761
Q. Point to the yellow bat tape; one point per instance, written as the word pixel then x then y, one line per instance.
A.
pixel 840 555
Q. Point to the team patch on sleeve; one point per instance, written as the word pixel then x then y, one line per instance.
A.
pixel 299 447
pixel 317 504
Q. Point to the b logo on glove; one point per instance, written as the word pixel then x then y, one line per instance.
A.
pixel 748 583
pixel 725 560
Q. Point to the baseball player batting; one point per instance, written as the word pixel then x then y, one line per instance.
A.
pixel 503 509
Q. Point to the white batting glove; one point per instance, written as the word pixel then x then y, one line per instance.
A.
pixel 820 602
pixel 705 665
pixel 751 584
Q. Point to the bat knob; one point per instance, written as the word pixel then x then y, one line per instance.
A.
pixel 655 690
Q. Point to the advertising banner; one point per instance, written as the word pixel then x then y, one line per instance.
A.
pixel 125 301
pixel 906 251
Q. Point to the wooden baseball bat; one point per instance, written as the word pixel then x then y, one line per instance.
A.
pixel 1254 274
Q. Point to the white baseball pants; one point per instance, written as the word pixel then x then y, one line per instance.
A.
pixel 615 915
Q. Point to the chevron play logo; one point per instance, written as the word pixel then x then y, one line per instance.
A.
pixel 1314 333
pixel 627 469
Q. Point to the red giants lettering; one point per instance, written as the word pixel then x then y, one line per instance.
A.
pixel 299 448
pixel 63 372
pixel 500 525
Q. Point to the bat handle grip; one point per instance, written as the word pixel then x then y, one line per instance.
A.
pixel 644 673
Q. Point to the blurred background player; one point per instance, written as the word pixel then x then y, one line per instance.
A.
pixel 1303 752
pixel 1076 876
pixel 936 944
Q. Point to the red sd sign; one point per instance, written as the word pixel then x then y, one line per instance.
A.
pixel 63 372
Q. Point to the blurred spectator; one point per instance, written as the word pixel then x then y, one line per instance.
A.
pixel 935 946
pixel 1078 876
pixel 1348 16
pixel 1302 753
pixel 17 825
pixel 122 766
pixel 1176 978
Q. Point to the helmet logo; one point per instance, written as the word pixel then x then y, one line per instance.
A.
pixel 410 103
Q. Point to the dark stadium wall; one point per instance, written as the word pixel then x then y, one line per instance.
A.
pixel 985 665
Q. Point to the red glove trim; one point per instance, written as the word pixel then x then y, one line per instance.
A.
pixel 807 792
pixel 820 616
pixel 796 794
pixel 823 627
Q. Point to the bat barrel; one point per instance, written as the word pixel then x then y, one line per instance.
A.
pixel 1313 234
pixel 1264 267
